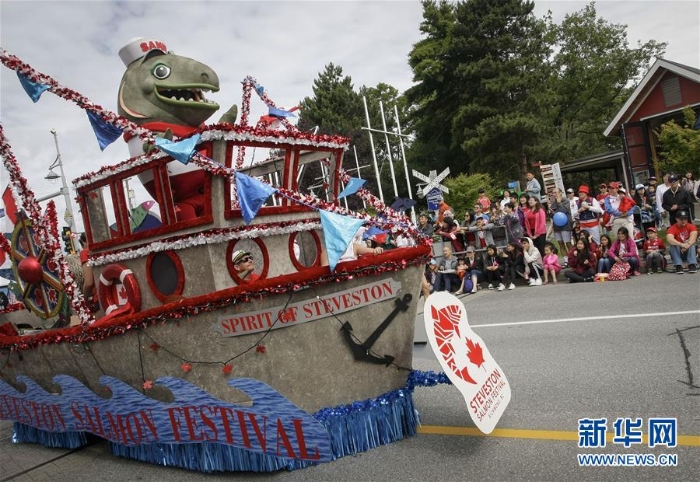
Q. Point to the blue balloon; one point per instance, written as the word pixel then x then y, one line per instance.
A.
pixel 560 219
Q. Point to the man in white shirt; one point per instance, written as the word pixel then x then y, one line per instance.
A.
pixel 573 200
pixel 660 190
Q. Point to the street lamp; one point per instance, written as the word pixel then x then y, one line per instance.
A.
pixel 52 176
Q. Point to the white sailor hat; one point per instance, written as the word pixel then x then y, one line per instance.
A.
pixel 138 47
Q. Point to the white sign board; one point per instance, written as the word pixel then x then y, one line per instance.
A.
pixel 466 360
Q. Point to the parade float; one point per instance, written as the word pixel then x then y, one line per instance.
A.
pixel 189 361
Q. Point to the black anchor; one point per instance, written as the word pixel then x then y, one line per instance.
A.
pixel 361 351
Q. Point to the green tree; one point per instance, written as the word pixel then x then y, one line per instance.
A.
pixel 680 149
pixel 480 72
pixel 593 72
pixel 464 191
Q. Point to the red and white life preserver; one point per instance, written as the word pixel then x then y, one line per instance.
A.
pixel 107 290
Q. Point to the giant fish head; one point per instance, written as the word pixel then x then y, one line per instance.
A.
pixel 167 88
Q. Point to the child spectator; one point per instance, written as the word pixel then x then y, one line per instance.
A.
pixel 484 200
pixel 462 269
pixel 592 245
pixel 624 249
pixel 475 271
pixel 581 263
pixel 491 272
pixel 605 262
pixel 533 262
pixel 430 277
pixel 550 263
pixel 654 250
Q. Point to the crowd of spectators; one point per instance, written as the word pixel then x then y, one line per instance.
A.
pixel 583 235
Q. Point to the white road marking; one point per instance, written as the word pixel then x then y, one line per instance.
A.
pixel 589 318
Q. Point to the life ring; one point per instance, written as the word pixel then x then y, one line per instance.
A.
pixel 116 273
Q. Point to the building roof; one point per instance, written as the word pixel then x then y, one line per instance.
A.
pixel 650 80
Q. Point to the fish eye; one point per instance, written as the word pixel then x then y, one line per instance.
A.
pixel 160 71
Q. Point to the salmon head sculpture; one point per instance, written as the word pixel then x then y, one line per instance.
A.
pixel 166 93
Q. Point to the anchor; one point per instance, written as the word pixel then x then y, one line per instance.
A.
pixel 361 350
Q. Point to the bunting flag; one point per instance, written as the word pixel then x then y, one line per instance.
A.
pixel 373 231
pixel 105 133
pixel 251 195
pixel 279 113
pixel 338 232
pixel 259 89
pixel 352 187
pixel 402 204
pixel 10 206
pixel 2 213
pixel 180 150
pixel 33 89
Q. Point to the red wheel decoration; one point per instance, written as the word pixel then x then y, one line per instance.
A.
pixel 110 277
pixel 36 272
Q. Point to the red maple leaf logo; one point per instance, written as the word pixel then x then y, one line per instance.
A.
pixel 53 297
pixel 122 292
pixel 475 354
pixel 148 384
pixel 185 367
pixel 445 325
pixel 154 346
pixel 38 298
pixel 227 369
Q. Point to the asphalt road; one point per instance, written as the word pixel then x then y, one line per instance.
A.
pixel 615 349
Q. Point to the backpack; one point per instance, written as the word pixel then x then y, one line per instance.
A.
pixel 619 271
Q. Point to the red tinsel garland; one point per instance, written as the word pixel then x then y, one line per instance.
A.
pixel 390 261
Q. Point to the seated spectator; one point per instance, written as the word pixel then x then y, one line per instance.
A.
pixel 449 231
pixel 653 251
pixel 447 271
pixel 550 263
pixel 581 263
pixel 592 245
pixel 602 254
pixel 510 258
pixel 533 262
pixel 624 250
pixel 491 272
pixel 475 271
pixel 681 238
pixel 430 277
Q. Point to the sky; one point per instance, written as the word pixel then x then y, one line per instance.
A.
pixel 284 45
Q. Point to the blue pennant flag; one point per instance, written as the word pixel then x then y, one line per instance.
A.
pixel 105 133
pixel 352 187
pixel 259 89
pixel 373 231
pixel 251 195
pixel 279 113
pixel 338 231
pixel 2 212
pixel 180 150
pixel 33 89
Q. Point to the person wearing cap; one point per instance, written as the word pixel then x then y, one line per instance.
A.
pixel 589 211
pixel 681 238
pixel 603 188
pixel 618 205
pixel 653 251
pixel 676 199
pixel 573 200
pixel 244 265
pixel 424 225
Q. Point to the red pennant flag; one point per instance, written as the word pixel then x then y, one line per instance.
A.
pixel 10 206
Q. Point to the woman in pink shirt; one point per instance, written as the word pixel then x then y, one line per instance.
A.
pixel 536 224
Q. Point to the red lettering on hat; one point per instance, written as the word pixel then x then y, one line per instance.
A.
pixel 144 47
pixel 161 46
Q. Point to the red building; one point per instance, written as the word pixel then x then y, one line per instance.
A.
pixel 666 89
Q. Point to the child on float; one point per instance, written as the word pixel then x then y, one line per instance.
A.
pixel 550 263
pixel 475 272
pixel 654 250
pixel 624 249
pixel 582 262
pixel 492 274
pixel 511 258
pixel 533 262
pixel 605 262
